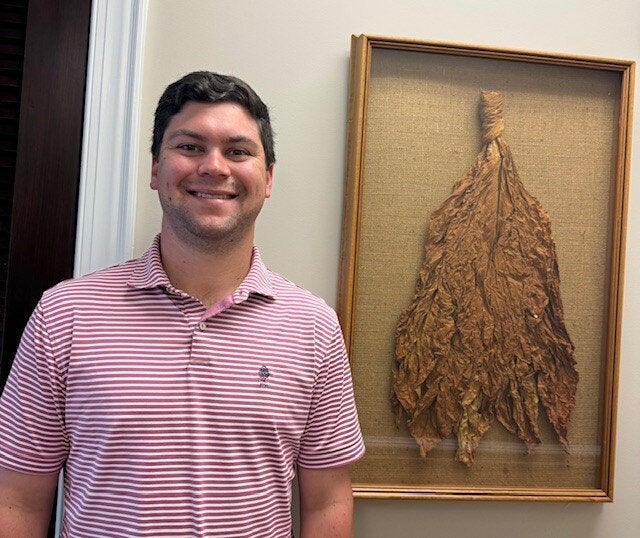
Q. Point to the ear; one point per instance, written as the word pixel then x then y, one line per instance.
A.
pixel 269 181
pixel 154 174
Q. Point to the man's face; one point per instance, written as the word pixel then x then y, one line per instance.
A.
pixel 211 175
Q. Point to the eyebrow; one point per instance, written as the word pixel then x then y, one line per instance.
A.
pixel 186 132
pixel 200 137
pixel 240 139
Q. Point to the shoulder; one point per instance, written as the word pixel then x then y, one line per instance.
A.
pixel 91 287
pixel 297 298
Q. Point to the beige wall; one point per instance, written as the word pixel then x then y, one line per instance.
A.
pixel 295 54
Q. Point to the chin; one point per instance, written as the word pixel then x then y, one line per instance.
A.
pixel 216 236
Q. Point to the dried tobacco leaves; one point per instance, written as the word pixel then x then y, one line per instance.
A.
pixel 484 337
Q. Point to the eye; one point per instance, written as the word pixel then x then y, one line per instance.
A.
pixel 238 153
pixel 189 148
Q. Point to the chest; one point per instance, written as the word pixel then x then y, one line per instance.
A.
pixel 170 372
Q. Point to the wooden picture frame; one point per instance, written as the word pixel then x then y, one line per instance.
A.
pixel 413 131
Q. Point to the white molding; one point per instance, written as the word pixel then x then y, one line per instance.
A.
pixel 107 198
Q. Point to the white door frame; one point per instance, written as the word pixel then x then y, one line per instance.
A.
pixel 107 196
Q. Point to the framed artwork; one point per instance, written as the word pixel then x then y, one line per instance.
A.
pixel 479 420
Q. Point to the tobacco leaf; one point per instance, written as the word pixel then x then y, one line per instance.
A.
pixel 484 337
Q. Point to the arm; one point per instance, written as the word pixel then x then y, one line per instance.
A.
pixel 326 502
pixel 26 501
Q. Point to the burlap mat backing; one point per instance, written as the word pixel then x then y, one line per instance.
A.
pixel 422 133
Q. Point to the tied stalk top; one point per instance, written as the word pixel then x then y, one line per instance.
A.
pixel 491 115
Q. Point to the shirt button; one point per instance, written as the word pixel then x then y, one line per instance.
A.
pixel 202 325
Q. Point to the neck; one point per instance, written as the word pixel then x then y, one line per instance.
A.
pixel 208 275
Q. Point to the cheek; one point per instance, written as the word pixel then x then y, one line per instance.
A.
pixel 259 182
pixel 170 176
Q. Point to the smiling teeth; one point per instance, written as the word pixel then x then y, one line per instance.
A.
pixel 214 196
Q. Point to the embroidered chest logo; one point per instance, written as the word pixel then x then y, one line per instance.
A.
pixel 263 376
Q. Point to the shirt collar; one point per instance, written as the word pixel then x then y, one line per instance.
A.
pixel 258 280
pixel 149 273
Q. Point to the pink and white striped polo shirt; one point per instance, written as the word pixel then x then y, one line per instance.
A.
pixel 173 420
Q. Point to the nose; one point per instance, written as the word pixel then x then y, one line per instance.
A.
pixel 214 164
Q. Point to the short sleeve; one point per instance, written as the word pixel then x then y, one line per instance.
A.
pixel 32 433
pixel 332 437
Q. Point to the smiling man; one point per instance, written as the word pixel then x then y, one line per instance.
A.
pixel 182 391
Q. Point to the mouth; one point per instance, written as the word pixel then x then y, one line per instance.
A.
pixel 213 195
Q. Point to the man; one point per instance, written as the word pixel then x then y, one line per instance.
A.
pixel 181 390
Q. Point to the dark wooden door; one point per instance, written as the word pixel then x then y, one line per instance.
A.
pixel 13 27
pixel 47 158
